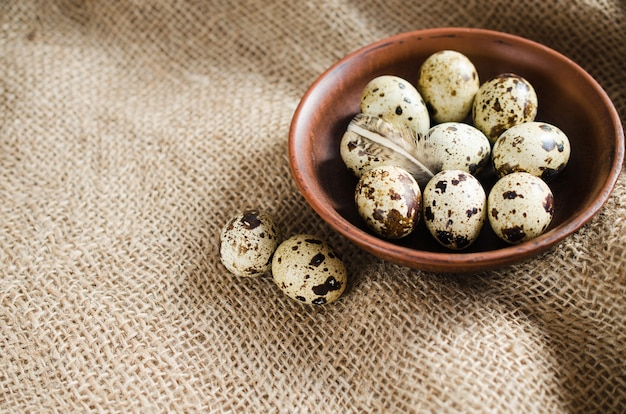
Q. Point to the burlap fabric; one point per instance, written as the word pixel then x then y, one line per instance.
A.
pixel 131 130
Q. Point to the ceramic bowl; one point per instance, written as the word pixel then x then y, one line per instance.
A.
pixel 568 98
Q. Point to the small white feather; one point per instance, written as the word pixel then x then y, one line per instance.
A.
pixel 396 147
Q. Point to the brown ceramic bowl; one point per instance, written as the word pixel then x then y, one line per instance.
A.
pixel 568 98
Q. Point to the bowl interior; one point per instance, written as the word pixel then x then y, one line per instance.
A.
pixel 568 98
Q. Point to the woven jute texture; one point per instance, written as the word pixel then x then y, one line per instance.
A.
pixel 131 130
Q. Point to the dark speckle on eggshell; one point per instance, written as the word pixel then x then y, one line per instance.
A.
pixel 445 237
pixel 328 286
pixel 494 213
pixel 548 204
pixel 250 219
pixel 441 186
pixel 317 260
pixel 545 127
pixel 514 234
pixel 428 214
pixel 510 195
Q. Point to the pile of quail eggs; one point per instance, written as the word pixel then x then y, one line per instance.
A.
pixel 417 151
pixel 303 266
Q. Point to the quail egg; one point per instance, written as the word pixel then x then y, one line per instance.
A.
pixel 501 102
pixel 521 207
pixel 307 269
pixel 248 241
pixel 537 148
pixel 389 199
pixel 454 208
pixel 448 82
pixel 397 101
pixel 370 141
pixel 455 146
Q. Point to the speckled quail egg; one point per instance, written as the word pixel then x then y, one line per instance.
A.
pixel 397 101
pixel 389 199
pixel 454 208
pixel 455 146
pixel 307 269
pixel 448 82
pixel 370 141
pixel 248 241
pixel 535 147
pixel 521 207
pixel 501 102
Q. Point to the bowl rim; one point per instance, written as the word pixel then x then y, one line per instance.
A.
pixel 451 262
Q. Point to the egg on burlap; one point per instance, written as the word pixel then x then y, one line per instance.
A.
pixel 248 241
pixel 308 269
